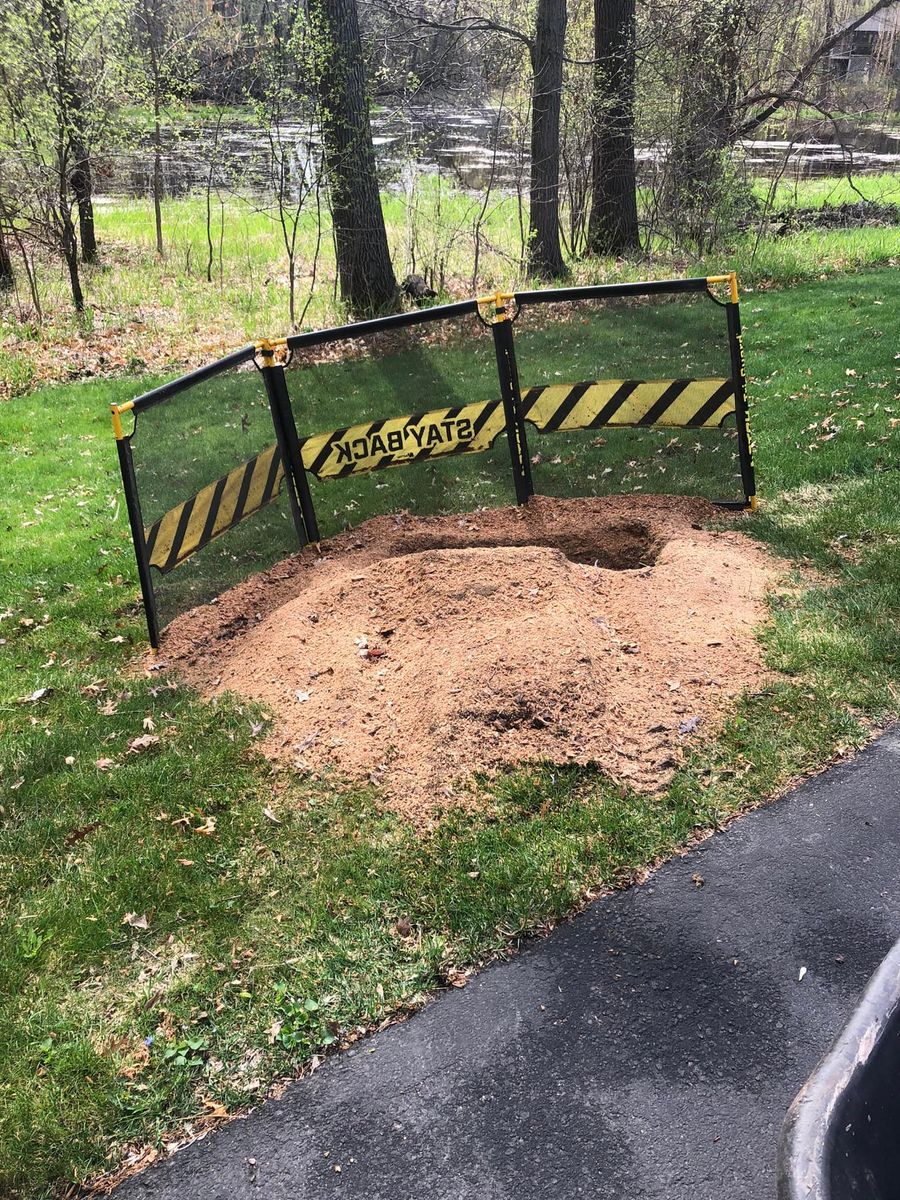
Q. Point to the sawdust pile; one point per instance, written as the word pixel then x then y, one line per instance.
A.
pixel 416 651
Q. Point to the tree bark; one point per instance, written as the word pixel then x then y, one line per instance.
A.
pixel 70 254
pixel 82 189
pixel 157 173
pixel 544 252
pixel 69 104
pixel 82 178
pixel 363 259
pixel 151 31
pixel 7 275
pixel 613 223
pixel 704 127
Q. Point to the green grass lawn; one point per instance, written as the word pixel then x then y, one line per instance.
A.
pixel 183 923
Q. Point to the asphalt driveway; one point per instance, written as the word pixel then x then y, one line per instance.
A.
pixel 649 1048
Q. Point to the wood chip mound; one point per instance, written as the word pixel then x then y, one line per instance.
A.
pixel 413 652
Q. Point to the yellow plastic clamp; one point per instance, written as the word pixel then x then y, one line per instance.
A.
pixel 499 301
pixel 117 410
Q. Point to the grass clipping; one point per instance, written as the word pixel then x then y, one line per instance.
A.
pixel 414 652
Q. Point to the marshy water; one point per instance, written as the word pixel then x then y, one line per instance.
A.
pixel 470 149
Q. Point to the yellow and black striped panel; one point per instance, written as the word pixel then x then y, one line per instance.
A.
pixel 401 440
pixel 680 403
pixel 189 526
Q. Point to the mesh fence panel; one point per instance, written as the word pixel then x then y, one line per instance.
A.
pixel 182 446
pixel 619 395
pixel 661 339
pixel 446 364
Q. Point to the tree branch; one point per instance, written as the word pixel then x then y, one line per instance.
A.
pixel 788 93
pixel 463 25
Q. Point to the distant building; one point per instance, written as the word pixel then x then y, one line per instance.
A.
pixel 871 49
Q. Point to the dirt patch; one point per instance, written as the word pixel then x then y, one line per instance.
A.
pixel 415 651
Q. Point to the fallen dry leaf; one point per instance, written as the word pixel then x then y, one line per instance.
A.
pixel 137 1060
pixel 135 921
pixel 215 1111
pixel 144 742
pixel 77 834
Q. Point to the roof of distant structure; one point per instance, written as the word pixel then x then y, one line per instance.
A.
pixel 883 21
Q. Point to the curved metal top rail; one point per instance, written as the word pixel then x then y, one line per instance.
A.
pixel 422 316
pixel 355 329
pixel 613 291
pixel 183 382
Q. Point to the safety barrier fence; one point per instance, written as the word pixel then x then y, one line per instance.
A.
pixel 237 463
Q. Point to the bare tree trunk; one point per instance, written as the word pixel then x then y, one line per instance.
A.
pixel 70 114
pixel 613 223
pixel 363 258
pixel 30 274
pixel 210 249
pixel 544 253
pixel 151 30
pixel 7 275
pixel 70 254
pixel 209 184
pixel 157 176
pixel 82 187
pixel 825 75
pixel 82 176
pixel 705 123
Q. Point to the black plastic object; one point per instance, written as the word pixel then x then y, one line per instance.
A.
pixel 841 1137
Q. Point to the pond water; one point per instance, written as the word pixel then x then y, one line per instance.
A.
pixel 468 148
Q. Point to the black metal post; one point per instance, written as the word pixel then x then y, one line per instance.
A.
pixel 512 407
pixel 269 371
pixel 295 457
pixel 136 521
pixel 745 450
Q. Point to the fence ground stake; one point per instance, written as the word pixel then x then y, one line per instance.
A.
pixel 512 404
pixel 136 521
pixel 302 508
pixel 745 449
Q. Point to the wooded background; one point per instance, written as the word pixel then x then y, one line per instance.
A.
pixel 582 83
